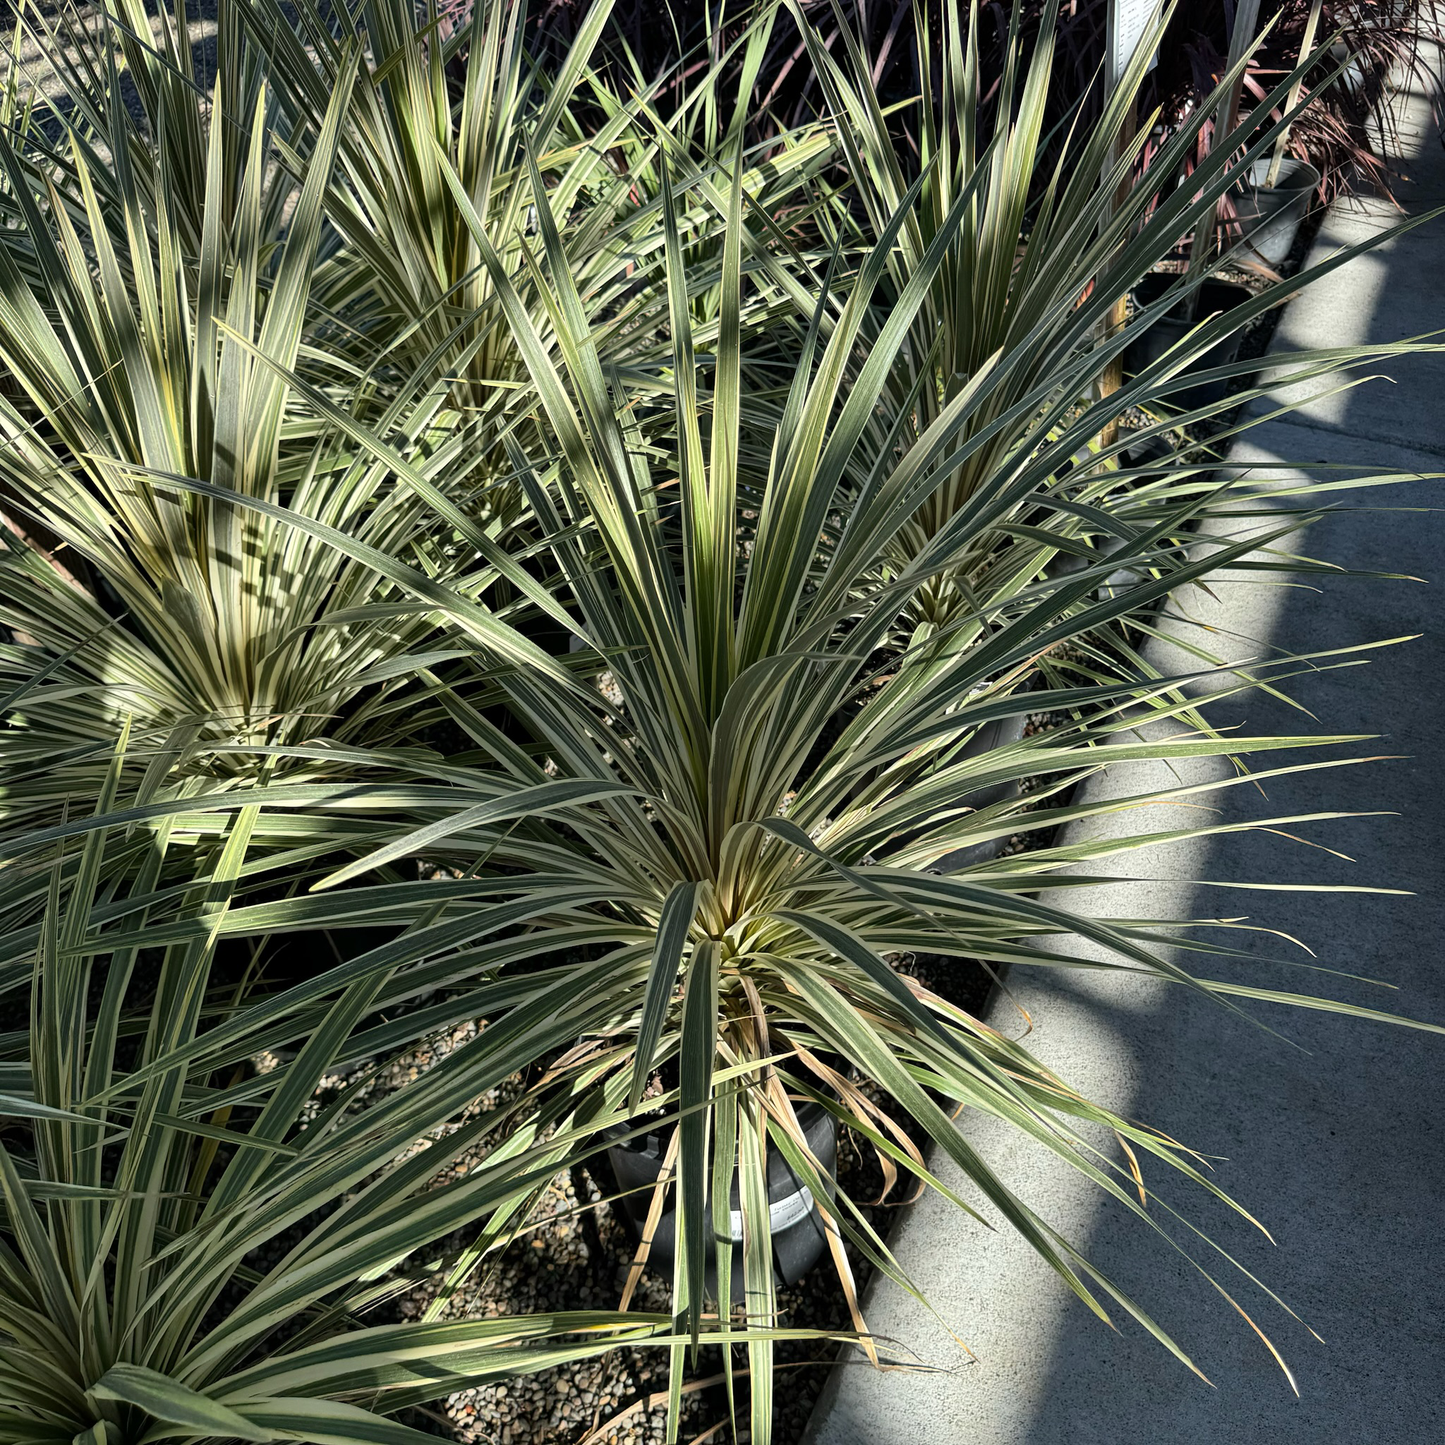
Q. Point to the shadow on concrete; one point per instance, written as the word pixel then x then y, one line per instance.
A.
pixel 1336 1139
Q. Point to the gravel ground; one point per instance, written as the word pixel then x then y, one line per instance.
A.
pixel 570 1258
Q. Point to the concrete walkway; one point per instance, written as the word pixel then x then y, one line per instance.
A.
pixel 1339 1145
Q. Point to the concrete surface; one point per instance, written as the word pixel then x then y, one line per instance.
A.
pixel 1333 1135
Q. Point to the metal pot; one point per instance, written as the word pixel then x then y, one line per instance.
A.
pixel 797 1231
pixel 1268 219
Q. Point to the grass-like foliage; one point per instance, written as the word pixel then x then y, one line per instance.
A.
pixel 191 1252
pixel 720 500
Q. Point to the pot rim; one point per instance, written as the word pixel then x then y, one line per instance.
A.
pixel 1290 166
pixel 809 1111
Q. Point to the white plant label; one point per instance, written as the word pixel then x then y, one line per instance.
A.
pixel 781 1213
pixel 1129 22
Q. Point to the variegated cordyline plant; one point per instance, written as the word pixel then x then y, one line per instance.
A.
pixel 196 1250
pixel 269 288
pixel 704 832
pixel 464 100
pixel 1038 258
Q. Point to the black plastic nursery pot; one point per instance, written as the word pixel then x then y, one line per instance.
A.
pixel 1269 219
pixel 797 1230
pixel 1139 458
pixel 1173 327
pixel 995 734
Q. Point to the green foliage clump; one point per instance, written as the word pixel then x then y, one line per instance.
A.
pixel 660 524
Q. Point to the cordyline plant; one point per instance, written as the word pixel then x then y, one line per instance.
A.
pixel 185 616
pixel 257 289
pixel 194 1252
pixel 470 103
pixel 710 854
pixel 1051 236
pixel 701 836
pixel 147 310
pixel 1350 128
